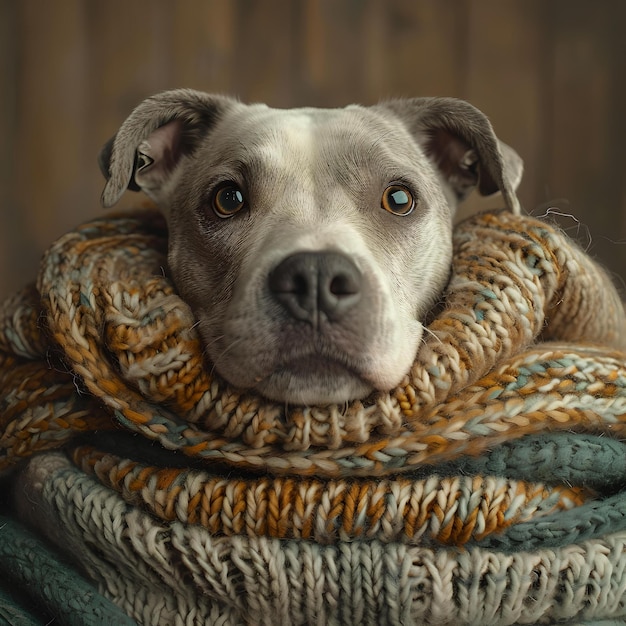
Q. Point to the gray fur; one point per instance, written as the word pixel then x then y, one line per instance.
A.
pixel 312 180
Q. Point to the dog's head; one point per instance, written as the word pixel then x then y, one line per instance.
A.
pixel 309 243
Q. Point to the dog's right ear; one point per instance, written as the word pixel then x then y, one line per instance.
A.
pixel 144 153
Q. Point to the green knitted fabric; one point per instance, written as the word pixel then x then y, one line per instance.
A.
pixel 487 488
pixel 44 580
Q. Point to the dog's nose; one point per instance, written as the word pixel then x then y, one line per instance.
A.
pixel 310 285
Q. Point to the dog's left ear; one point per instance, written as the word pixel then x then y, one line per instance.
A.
pixel 461 142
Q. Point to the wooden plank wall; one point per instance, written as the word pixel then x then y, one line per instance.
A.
pixel 550 74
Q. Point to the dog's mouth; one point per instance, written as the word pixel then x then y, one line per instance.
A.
pixel 313 380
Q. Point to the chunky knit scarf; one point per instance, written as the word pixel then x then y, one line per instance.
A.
pixel 486 489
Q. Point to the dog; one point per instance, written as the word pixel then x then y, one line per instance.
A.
pixel 310 244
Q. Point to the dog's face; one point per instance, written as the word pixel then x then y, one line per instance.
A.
pixel 309 243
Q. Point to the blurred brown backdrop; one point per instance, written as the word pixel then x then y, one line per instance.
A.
pixel 549 73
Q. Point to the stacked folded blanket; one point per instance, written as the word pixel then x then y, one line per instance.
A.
pixel 488 488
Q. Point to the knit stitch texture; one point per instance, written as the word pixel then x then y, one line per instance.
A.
pixel 487 488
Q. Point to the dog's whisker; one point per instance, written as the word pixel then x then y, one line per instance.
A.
pixel 225 351
pixel 208 344
pixel 432 334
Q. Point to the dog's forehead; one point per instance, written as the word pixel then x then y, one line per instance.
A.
pixel 268 132
pixel 318 121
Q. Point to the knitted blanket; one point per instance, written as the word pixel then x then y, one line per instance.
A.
pixel 487 488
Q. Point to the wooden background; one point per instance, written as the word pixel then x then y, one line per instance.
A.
pixel 549 73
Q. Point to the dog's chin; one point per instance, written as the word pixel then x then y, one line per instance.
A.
pixel 313 381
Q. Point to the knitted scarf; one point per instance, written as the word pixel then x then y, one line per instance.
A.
pixel 485 489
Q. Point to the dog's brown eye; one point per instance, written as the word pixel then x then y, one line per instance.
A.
pixel 227 200
pixel 397 199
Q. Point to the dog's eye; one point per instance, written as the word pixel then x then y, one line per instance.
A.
pixel 227 200
pixel 397 199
